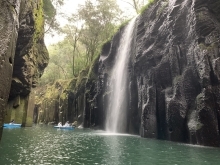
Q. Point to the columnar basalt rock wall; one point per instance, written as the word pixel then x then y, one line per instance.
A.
pixel 64 100
pixel 9 14
pixel 73 100
pixel 23 56
pixel 31 57
pixel 177 70
pixel 174 72
pixel 173 88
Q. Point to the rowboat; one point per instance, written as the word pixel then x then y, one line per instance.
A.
pixel 11 125
pixel 64 127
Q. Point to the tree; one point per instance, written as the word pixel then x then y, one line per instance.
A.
pixel 50 11
pixel 60 64
pixel 73 33
pixel 92 24
pixel 87 29
pixel 100 18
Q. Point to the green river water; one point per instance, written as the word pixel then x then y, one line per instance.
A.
pixel 47 145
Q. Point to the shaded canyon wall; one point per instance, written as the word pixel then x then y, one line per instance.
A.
pixel 173 89
pixel 68 100
pixel 8 34
pixel 23 58
pixel 174 72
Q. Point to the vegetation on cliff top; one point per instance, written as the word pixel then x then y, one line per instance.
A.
pixel 144 8
pixel 39 22
pixel 88 29
pixel 51 8
pixel 85 32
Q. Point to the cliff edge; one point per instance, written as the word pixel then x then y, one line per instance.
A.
pixel 23 57
pixel 174 72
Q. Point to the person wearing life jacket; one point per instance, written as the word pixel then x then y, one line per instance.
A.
pixel 59 124
pixel 12 121
pixel 67 124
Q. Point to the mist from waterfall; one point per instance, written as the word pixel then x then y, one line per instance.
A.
pixel 117 102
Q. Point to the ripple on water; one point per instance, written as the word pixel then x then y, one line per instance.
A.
pixel 45 145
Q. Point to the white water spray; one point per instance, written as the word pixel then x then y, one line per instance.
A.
pixel 117 103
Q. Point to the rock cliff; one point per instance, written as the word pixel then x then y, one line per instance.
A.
pixel 174 76
pixel 174 72
pixel 68 100
pixel 8 33
pixel 177 66
pixel 23 57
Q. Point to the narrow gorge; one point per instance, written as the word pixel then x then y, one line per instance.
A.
pixel 173 77
pixel 171 85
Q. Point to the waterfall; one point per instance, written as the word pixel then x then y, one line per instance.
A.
pixel 117 104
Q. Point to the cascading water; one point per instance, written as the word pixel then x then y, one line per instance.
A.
pixel 117 103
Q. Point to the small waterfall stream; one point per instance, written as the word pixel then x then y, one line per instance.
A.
pixel 117 108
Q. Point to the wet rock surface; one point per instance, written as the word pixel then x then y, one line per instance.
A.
pixel 69 100
pixel 174 73
pixel 31 56
pixel 173 88
pixel 23 57
pixel 8 35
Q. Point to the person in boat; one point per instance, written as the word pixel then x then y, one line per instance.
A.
pixel 59 124
pixel 12 121
pixel 67 124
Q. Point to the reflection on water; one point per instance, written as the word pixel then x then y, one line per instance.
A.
pixel 45 145
pixel 112 134
pixel 116 146
pixel 114 149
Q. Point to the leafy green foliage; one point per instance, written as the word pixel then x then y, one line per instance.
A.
pixel 88 28
pixel 144 8
pixel 100 20
pixel 50 8
pixel 123 24
pixel 92 24
pixel 60 65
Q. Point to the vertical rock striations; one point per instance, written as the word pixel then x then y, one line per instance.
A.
pixel 174 72
pixel 69 100
pixel 9 14
pixel 177 64
pixel 173 89
pixel 31 57
pixel 22 52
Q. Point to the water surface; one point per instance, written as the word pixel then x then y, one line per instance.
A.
pixel 46 145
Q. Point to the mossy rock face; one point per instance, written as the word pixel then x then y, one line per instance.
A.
pixel 24 55
pixel 52 101
pixel 173 73
pixel 174 78
pixel 66 100
pixel 31 56
pixel 8 34
pixel 18 113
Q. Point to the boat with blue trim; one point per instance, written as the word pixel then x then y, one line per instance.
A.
pixel 64 127
pixel 11 125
